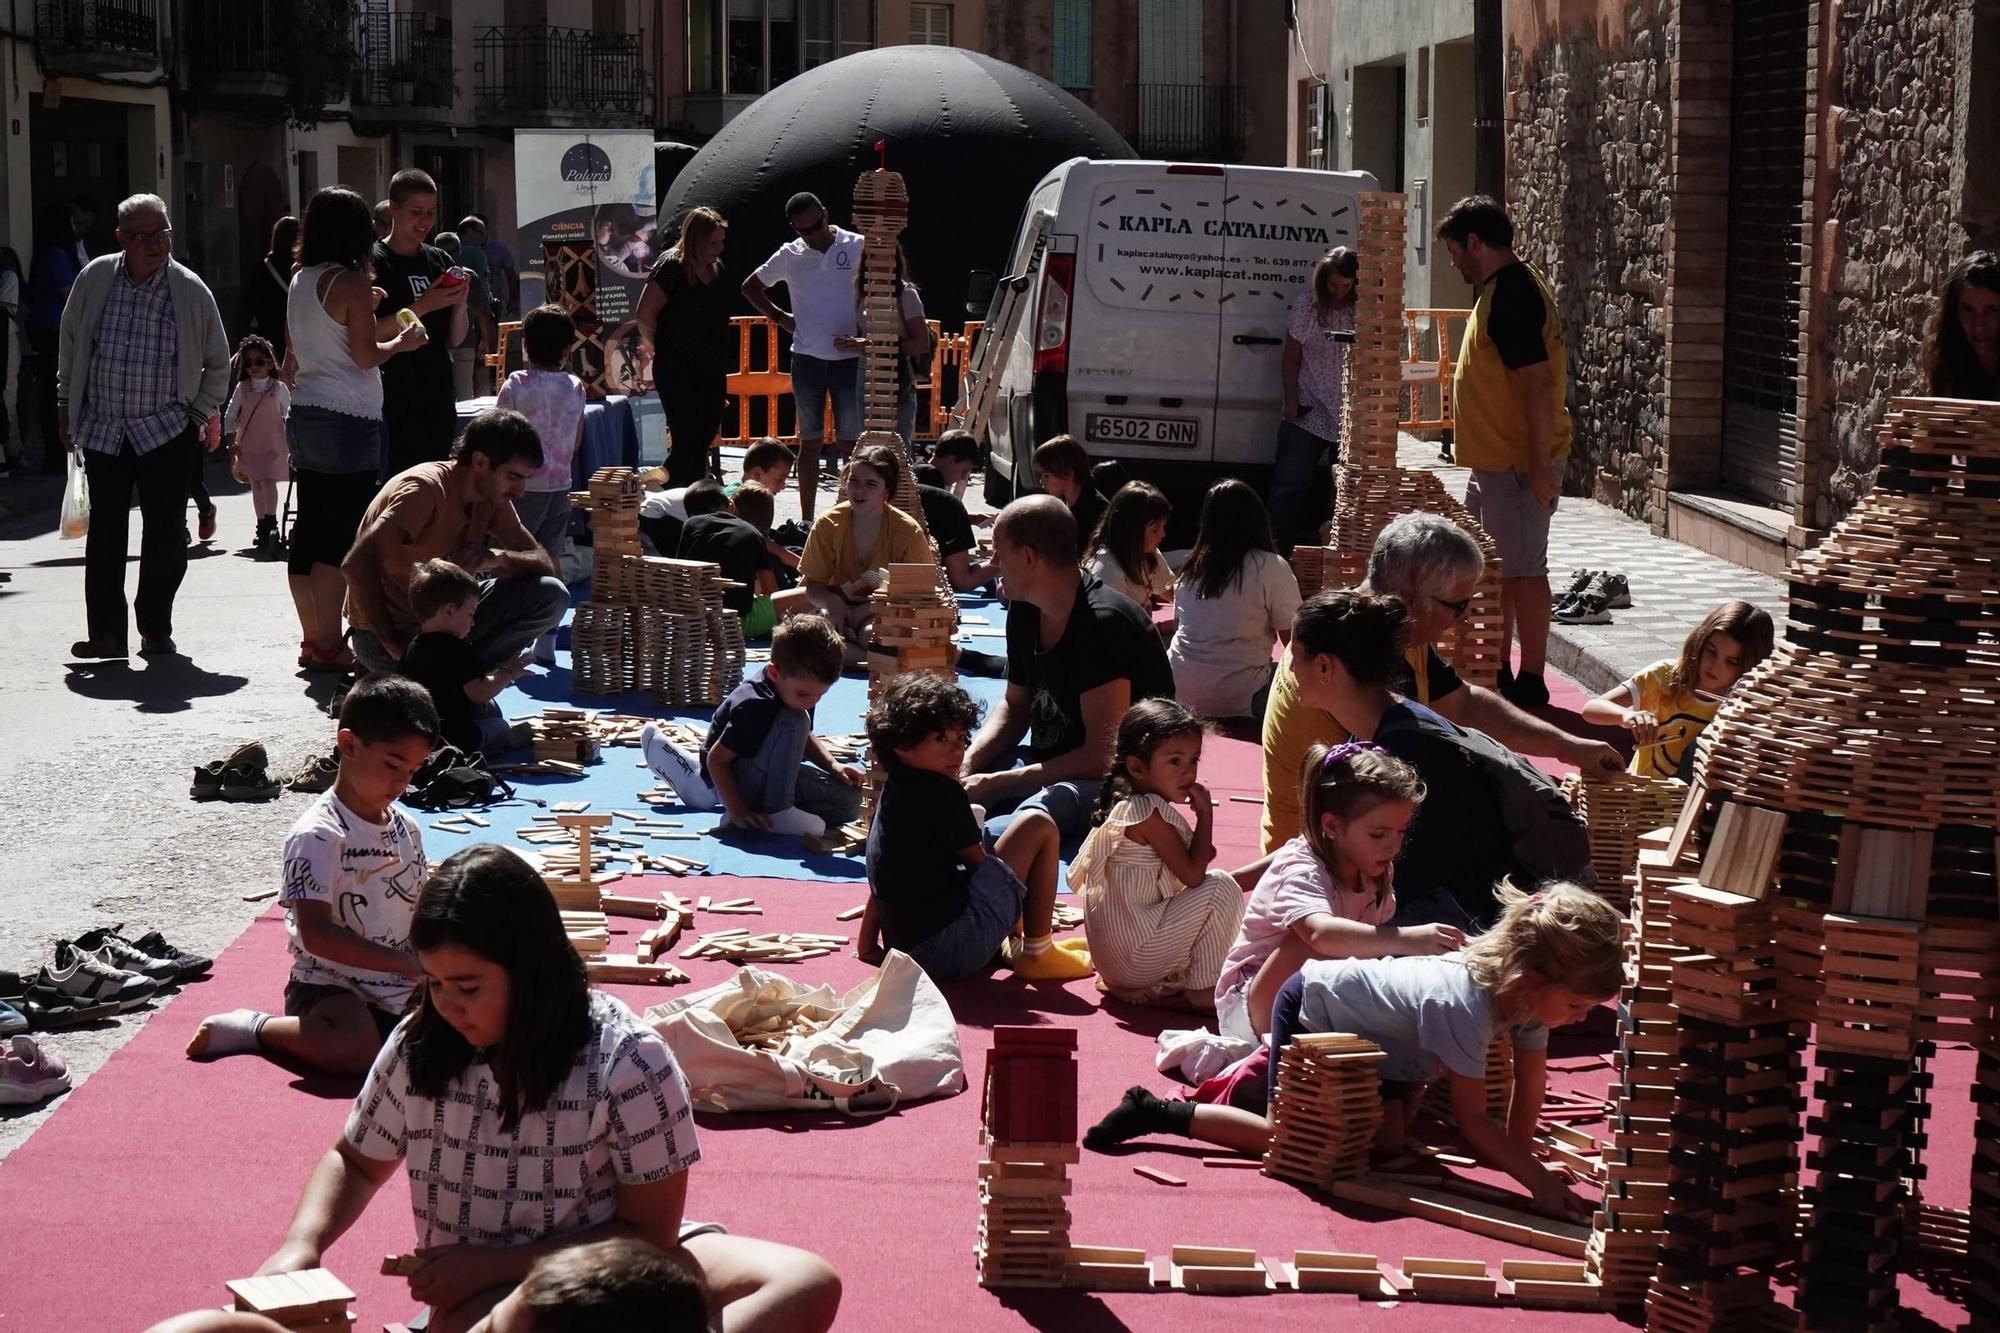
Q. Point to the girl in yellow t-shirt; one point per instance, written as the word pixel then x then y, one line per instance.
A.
pixel 1666 706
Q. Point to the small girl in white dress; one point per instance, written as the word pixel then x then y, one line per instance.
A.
pixel 1159 921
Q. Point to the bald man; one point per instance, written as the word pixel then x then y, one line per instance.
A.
pixel 1078 656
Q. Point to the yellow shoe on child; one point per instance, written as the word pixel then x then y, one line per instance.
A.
pixel 1068 960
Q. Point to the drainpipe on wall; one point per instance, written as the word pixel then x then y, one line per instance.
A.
pixel 1489 131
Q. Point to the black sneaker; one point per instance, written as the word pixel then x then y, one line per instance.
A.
pixel 47 1009
pixel 207 784
pixel 249 784
pixel 1579 579
pixel 115 949
pixel 88 977
pixel 1617 589
pixel 187 965
pixel 1592 606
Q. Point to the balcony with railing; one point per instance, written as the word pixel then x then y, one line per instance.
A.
pixel 531 74
pixel 1199 122
pixel 98 36
pixel 228 46
pixel 403 68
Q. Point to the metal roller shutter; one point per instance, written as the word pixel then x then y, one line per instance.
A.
pixel 1767 148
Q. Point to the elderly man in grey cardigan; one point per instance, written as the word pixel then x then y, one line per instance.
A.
pixel 144 363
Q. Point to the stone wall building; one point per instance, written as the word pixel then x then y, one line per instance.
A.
pixel 1747 208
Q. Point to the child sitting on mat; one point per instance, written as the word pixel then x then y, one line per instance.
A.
pixel 753 763
pixel 445 599
pixel 733 539
pixel 1552 957
pixel 1328 893
pixel 1159 920
pixel 934 891
pixel 353 865
pixel 532 1115
pixel 1667 706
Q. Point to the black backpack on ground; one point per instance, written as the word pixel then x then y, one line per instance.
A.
pixel 451 779
pixel 1547 840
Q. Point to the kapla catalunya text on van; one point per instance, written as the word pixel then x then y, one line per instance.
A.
pixel 1256 231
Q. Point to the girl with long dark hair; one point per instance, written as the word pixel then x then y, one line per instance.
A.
pixel 1234 600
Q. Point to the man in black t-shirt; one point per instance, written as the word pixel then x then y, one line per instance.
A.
pixel 722 538
pixel 1078 656
pixel 419 410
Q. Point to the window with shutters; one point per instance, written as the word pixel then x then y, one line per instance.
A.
pixel 930 25
pixel 1072 43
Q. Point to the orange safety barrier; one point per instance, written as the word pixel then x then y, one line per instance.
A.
pixel 761 393
pixel 1431 340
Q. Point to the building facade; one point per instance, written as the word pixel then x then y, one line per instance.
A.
pixel 1387 89
pixel 1747 209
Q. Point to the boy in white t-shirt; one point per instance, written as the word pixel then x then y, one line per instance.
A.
pixel 353 866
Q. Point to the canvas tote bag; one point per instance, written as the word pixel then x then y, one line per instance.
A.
pixel 891 1039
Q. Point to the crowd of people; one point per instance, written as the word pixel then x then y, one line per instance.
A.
pixel 1418 881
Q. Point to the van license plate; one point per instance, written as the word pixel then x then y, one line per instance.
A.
pixel 1167 432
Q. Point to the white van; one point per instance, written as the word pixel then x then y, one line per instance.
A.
pixel 1154 302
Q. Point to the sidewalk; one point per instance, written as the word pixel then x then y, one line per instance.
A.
pixel 1673 585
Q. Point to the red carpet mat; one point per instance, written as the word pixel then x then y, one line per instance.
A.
pixel 177 1176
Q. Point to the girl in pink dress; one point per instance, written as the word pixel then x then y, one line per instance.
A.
pixel 255 417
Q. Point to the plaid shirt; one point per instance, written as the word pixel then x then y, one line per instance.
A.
pixel 130 393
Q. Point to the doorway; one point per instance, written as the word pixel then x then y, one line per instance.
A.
pixel 82 149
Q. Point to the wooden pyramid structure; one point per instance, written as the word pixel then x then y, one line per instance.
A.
pixel 1369 487
pixel 1833 869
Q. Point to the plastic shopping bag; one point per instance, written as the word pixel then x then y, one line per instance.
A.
pixel 76 500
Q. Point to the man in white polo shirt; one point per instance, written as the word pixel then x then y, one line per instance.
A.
pixel 821 270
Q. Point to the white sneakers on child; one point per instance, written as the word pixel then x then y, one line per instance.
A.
pixel 677 768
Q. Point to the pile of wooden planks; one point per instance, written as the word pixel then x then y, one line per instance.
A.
pixel 1328 1108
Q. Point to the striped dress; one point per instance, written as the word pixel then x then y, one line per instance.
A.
pixel 1147 932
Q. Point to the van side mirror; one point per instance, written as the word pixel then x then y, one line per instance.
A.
pixel 979 285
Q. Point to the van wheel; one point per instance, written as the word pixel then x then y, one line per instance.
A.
pixel 999 489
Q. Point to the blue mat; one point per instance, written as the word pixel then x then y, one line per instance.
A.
pixel 614 783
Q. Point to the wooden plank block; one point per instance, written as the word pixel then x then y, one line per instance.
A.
pixel 1743 852
pixel 1479 1217
pixel 400 1265
pixel 1152 1173
pixel 1211 1256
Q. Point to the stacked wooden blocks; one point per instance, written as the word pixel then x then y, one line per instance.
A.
pixel 1328 1108
pixel 1370 488
pixel 1616 810
pixel 565 734
pixel 1735 1125
pixel 311 1300
pixel 1855 774
pixel 1317 568
pixel 1870 1121
pixel 1983 1238
pixel 1028 1127
pixel 1631 1227
pixel 881 212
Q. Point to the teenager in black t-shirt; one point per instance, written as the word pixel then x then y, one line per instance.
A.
pixel 419 413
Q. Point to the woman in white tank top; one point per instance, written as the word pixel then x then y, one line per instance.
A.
pixel 335 430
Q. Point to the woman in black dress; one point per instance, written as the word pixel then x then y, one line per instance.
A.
pixel 685 315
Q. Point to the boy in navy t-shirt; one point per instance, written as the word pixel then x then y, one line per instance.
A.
pixel 934 891
pixel 754 762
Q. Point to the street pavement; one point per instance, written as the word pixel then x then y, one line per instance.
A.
pixel 1673 584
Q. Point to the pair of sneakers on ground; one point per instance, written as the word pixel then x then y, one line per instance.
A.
pixel 244 776
pixel 98 974
pixel 1591 596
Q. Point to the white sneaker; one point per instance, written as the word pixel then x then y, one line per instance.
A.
pixel 673 766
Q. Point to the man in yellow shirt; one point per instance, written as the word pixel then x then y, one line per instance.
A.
pixel 1433 565
pixel 1511 426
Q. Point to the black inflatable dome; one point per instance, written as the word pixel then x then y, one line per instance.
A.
pixel 971 136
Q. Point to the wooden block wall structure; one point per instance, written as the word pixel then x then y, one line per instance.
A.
pixel 1372 408
pixel 1028 1127
pixel 1317 568
pixel 652 624
pixel 1616 811
pixel 1327 1109
pixel 1852 779
pixel 309 1301
pixel 1735 1127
